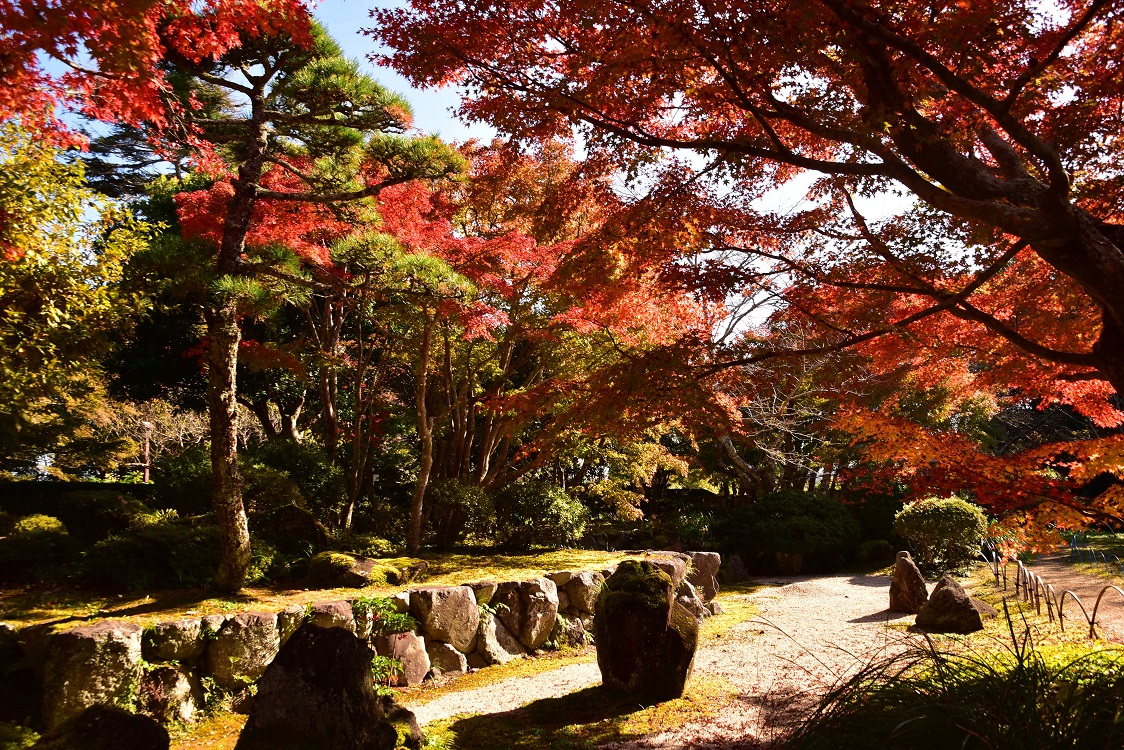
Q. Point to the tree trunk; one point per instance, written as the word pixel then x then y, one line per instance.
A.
pixel 223 335
pixel 425 437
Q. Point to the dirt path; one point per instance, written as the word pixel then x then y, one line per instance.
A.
pixel 1056 570
pixel 809 634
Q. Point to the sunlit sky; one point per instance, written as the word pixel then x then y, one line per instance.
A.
pixel 432 108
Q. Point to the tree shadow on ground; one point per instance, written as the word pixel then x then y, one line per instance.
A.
pixel 579 721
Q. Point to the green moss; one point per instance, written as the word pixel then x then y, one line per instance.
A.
pixel 635 583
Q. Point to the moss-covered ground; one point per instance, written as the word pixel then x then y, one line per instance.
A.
pixel 75 605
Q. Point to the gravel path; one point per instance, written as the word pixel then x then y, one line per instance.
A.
pixel 1056 570
pixel 810 633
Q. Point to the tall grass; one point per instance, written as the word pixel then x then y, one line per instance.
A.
pixel 1022 697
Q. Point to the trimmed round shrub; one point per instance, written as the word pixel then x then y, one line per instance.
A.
pixel 792 530
pixel 37 548
pixel 538 514
pixel 943 534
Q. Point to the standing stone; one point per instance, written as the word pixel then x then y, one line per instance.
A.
pixel 496 644
pixel 583 589
pixel 735 569
pixel 951 610
pixel 907 589
pixel 408 648
pixel 529 609
pixel 447 613
pixel 332 615
pixel 242 649
pixel 177 640
pixel 446 659
pixel 107 728
pixel 86 666
pixel 169 694
pixel 689 599
pixel 645 641
pixel 319 693
pixel 704 573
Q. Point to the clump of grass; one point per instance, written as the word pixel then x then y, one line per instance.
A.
pixel 1022 697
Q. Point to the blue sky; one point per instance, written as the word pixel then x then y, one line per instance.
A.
pixel 432 108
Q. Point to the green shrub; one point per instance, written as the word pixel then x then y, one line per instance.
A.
pixel 944 534
pixel 538 514
pixel 183 482
pixel 38 548
pixel 172 554
pixel 813 531
pixel 365 545
pixel 385 617
pixel 459 509
pixel 321 484
pixel 95 514
pixel 1018 699
pixel 16 737
pixel 876 550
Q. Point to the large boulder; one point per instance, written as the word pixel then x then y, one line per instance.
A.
pixel 319 693
pixel 646 642
pixel 674 566
pixel 19 685
pixel 242 649
pixel 446 659
pixel 409 649
pixel 951 610
pixel 177 640
pixel 447 613
pixel 106 728
pixel 289 619
pixel 169 694
pixel 496 644
pixel 86 666
pixel 907 589
pixel 704 573
pixel 528 609
pixel 339 569
pixel 583 589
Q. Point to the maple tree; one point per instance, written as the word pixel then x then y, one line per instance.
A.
pixel 962 213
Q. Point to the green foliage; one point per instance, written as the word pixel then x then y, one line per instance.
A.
pixel 945 534
pixel 183 481
pixel 328 569
pixel 1025 697
pixel 790 522
pixel 16 737
pixel 459 509
pixel 384 615
pixel 173 553
pixel 95 514
pixel 365 545
pixel 37 548
pixel 308 473
pixel 385 670
pixel 538 514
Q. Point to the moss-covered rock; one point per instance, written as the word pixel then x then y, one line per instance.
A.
pixel 89 666
pixel 645 641
pixel 332 569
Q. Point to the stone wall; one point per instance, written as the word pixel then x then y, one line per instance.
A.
pixel 164 670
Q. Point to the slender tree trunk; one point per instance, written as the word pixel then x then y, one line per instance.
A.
pixel 223 335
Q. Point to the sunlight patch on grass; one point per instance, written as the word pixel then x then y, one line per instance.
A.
pixel 218 731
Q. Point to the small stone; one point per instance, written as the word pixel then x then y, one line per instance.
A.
pixel 211 624
pixel 560 577
pixel 563 600
pixel 907 588
pixel 335 614
pixel 177 640
pixel 689 599
pixel 715 608
pixel 401 601
pixel 444 658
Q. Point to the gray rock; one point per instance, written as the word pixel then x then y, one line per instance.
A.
pixel 86 666
pixel 483 590
pixel 704 573
pixel 645 641
pixel 170 694
pixel 447 613
pixel 529 610
pixel 319 693
pixel 211 624
pixel 950 610
pixel 242 649
pixel 408 648
pixel 496 644
pixel 176 640
pixel 735 569
pixel 675 567
pixel 563 600
pixel 715 608
pixel 569 632
pixel 338 569
pixel 560 577
pixel 476 661
pixel 446 659
pixel 907 589
pixel 401 601
pixel 289 619
pixel 689 599
pixel 336 614
pixel 583 588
